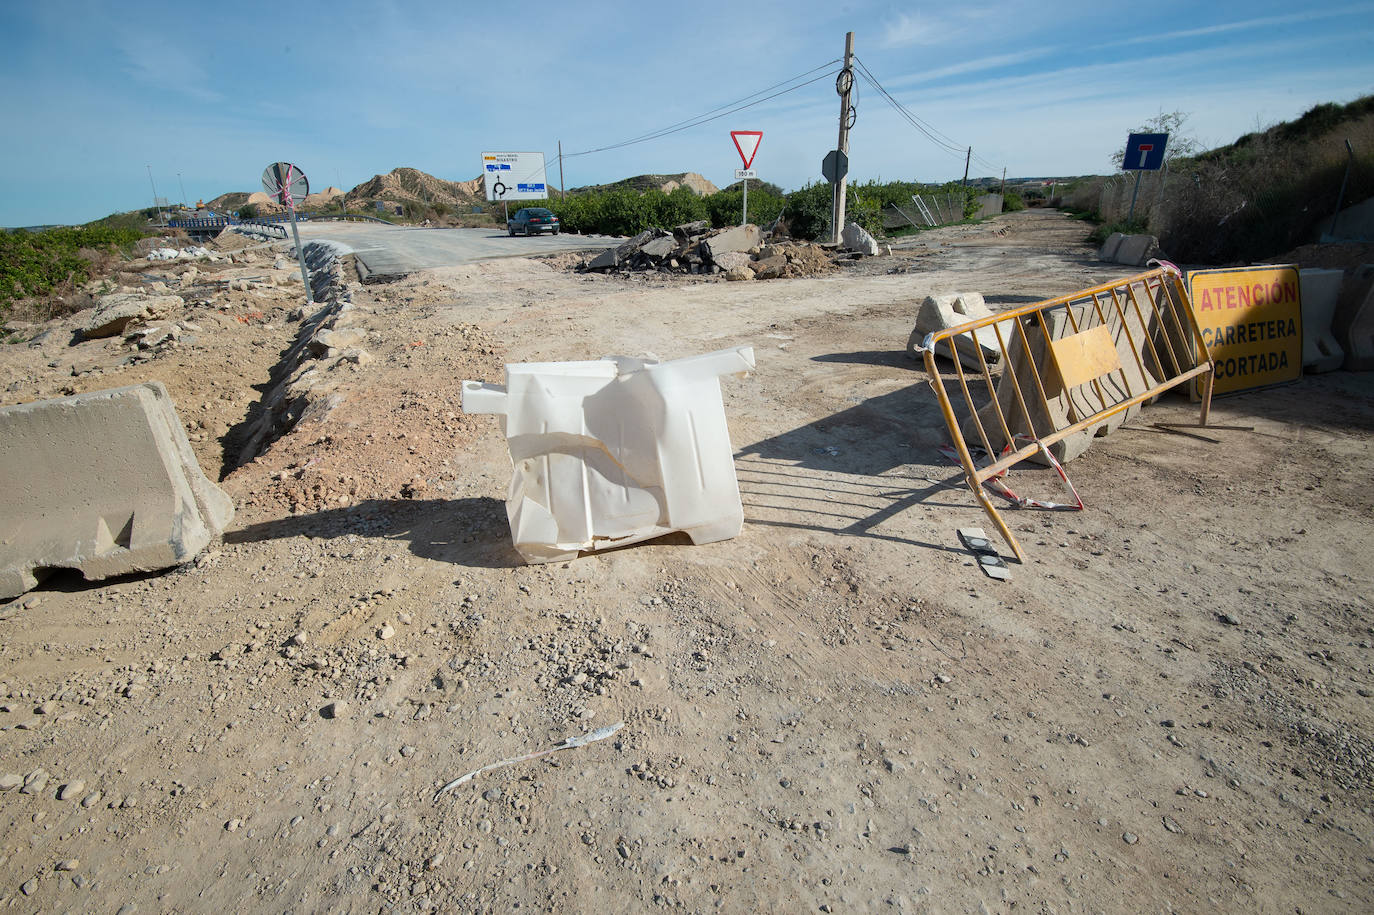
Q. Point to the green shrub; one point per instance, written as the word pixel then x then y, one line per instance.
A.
pixel 248 211
pixel 808 211
pixel 1012 202
pixel 36 263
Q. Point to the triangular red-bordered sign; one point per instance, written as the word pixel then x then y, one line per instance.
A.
pixel 747 142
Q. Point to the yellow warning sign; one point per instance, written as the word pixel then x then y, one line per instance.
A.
pixel 1251 321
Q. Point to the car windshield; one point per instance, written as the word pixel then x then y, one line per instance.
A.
pixel 538 211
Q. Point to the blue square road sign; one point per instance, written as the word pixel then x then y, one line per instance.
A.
pixel 1145 152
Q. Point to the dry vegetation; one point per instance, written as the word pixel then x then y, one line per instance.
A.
pixel 1263 195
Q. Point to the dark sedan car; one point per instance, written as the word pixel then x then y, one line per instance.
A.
pixel 532 221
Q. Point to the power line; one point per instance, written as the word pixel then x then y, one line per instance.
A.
pixel 716 114
pixel 943 141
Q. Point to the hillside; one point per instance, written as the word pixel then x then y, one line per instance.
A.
pixel 412 186
pixel 665 183
pixel 1251 200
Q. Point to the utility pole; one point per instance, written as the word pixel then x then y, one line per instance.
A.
pixel 1003 189
pixel 843 84
pixel 160 217
pixel 562 188
pixel 967 160
pixel 183 191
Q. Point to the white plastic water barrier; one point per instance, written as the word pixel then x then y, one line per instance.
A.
pixel 616 451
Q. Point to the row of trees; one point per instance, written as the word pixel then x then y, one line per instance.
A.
pixel 806 211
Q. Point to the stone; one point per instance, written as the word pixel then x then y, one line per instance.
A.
pixel 659 248
pixel 941 312
pixel 35 781
pixel 335 710
pixel 603 261
pixel 732 259
pixel 856 238
pixel 1130 838
pixel 386 632
pixel 104 483
pixel 690 229
pixel 29 887
pixel 90 800
pixel 114 312
pixel 71 789
pixel 739 274
pixel 336 339
pixel 68 864
pixel 738 238
pixel 10 780
pixel 770 268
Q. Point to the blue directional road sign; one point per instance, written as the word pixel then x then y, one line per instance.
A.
pixel 1145 152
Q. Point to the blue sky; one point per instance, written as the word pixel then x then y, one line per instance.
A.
pixel 97 92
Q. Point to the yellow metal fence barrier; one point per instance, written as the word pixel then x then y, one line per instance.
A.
pixel 1055 373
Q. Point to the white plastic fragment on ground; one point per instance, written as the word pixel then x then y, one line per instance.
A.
pixel 616 451
pixel 569 744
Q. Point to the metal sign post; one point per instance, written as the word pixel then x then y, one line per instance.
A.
pixel 287 184
pixel 1144 153
pixel 747 144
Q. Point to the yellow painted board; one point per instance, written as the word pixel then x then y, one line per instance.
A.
pixel 1083 357
pixel 1251 321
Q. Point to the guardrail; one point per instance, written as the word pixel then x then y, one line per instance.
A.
pixel 1067 367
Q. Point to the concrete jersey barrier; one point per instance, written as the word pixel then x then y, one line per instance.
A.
pixel 104 483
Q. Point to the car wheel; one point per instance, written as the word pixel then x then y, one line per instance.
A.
pixel 555 231
pixel 510 231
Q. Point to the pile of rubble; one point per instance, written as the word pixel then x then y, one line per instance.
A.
pixel 738 253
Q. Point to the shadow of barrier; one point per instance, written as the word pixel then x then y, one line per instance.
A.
pixel 1068 369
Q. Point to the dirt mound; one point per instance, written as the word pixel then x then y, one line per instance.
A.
pixel 410 185
pixel 230 201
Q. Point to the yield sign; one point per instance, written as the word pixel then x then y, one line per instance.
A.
pixel 747 142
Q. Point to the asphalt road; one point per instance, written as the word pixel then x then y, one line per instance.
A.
pixel 397 250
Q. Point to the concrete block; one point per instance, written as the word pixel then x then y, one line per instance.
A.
pixel 740 238
pixel 1136 250
pixel 856 238
pixel 104 483
pixel 1354 291
pixel 941 312
pixel 1066 405
pixel 1360 332
pixel 1321 291
pixel 1109 247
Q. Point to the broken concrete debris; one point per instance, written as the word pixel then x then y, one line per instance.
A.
pixel 693 248
pixel 113 313
pixel 616 451
pixel 104 483
pixel 856 238
pixel 327 345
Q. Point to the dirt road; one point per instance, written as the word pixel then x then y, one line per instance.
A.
pixel 1168 708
